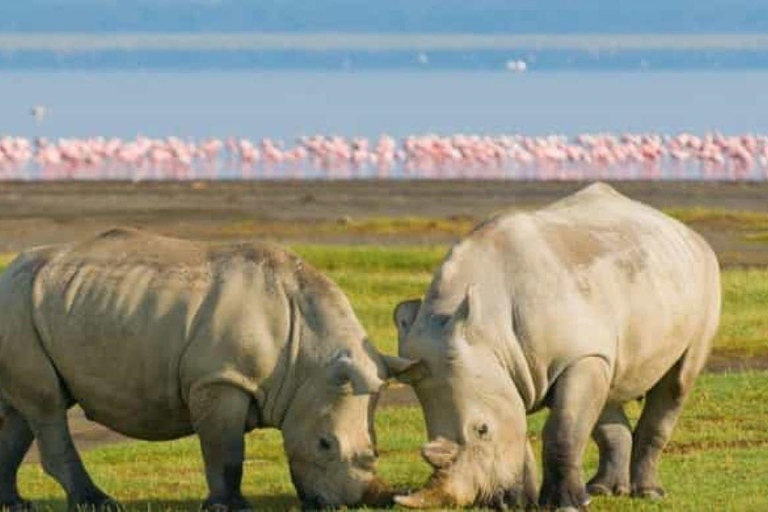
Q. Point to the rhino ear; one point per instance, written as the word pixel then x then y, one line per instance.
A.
pixel 440 453
pixel 344 371
pixel 403 369
pixel 469 310
pixel 405 314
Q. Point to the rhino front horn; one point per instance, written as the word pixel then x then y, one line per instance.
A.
pixel 425 498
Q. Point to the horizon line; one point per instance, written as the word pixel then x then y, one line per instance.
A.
pixel 331 41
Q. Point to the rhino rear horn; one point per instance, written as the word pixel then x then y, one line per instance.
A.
pixel 440 453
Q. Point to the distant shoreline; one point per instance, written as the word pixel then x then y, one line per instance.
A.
pixel 337 41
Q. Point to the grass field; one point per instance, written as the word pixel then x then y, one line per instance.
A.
pixel 717 460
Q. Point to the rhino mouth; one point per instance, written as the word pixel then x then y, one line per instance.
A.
pixel 436 494
pixel 377 494
pixel 311 501
pixel 436 498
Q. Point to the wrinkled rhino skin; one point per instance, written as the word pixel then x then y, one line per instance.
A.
pixel 582 306
pixel 158 338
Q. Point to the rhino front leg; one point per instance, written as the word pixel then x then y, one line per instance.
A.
pixel 578 397
pixel 61 460
pixel 663 405
pixel 530 477
pixel 219 413
pixel 15 439
pixel 613 435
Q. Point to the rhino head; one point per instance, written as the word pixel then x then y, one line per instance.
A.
pixel 328 427
pixel 328 434
pixel 476 420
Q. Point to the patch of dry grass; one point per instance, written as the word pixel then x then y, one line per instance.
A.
pixel 720 218
pixel 394 227
pixel 5 259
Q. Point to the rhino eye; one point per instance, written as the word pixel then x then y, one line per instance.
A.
pixel 324 444
pixel 483 431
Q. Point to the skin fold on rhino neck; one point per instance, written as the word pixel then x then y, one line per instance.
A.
pixel 275 401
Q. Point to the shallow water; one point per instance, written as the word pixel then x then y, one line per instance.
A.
pixel 286 105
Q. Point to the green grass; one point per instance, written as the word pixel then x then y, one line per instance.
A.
pixel 750 226
pixel 380 227
pixel 720 218
pixel 376 278
pixel 759 237
pixel 5 259
pixel 745 225
pixel 744 322
pixel 716 460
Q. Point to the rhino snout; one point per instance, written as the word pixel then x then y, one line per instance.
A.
pixel 378 494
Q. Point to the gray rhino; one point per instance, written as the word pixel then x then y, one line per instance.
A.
pixel 158 338
pixel 582 306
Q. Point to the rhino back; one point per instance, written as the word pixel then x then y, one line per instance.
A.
pixel 117 314
pixel 594 274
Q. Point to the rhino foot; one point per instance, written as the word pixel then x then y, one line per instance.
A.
pixel 17 506
pixel 103 504
pixel 607 487
pixel 566 501
pixel 98 504
pixel 238 504
pixel 654 493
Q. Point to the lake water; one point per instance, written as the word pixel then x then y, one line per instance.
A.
pixel 287 104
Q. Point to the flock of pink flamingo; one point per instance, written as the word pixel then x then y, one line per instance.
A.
pixel 711 156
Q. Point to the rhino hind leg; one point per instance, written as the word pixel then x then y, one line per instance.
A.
pixel 219 414
pixel 577 399
pixel 663 405
pixel 15 440
pixel 613 435
pixel 61 461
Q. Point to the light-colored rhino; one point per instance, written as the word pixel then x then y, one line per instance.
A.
pixel 581 306
pixel 158 338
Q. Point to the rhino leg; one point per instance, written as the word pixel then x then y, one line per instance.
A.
pixel 219 413
pixel 613 436
pixel 578 396
pixel 61 461
pixel 15 439
pixel 33 389
pixel 663 405
pixel 530 477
